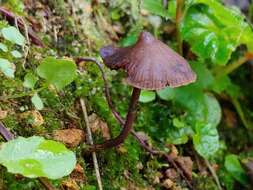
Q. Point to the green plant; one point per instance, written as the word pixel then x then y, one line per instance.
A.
pixel 36 157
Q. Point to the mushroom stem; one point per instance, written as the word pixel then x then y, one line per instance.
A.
pixel 127 126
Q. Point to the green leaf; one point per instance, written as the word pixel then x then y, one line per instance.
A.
pixel 234 167
pixel 224 84
pixel 214 31
pixel 204 76
pixel 130 39
pixel 30 80
pixel 192 98
pixel 179 135
pixel 59 72
pixel 155 7
pixel 36 157
pixel 7 68
pixel 3 47
pixel 37 102
pixel 206 139
pixel 147 96
pixel 213 109
pixel 12 34
pixel 16 54
pixel 166 94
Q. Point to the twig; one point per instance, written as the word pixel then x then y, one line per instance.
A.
pixel 165 4
pixel 9 136
pixel 179 170
pixel 216 179
pixel 90 141
pixel 46 183
pixel 122 121
pixel 5 132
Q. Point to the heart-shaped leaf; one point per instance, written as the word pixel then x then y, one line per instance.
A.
pixel 59 72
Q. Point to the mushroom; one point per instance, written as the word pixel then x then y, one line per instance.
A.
pixel 150 64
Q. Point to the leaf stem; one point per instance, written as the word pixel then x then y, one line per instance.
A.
pixel 240 112
pixel 179 15
pixel 216 179
pixel 233 66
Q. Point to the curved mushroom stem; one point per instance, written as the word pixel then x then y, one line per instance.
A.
pixel 107 93
pixel 109 101
pixel 127 126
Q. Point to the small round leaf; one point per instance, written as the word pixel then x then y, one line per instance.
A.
pixel 36 157
pixel 7 68
pixel 59 72
pixel 147 96
pixel 30 80
pixel 12 34
pixel 37 102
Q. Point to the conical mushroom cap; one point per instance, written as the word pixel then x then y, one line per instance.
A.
pixel 150 64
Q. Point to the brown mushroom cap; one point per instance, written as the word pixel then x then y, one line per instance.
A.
pixel 150 64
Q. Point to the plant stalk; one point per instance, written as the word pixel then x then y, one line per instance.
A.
pixel 231 67
pixel 90 140
pixel 179 15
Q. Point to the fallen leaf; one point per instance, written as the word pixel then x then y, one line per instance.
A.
pixel 97 125
pixel 70 137
pixel 78 174
pixel 70 184
pixel 230 118
pixel 167 183
pixel 33 117
pixel 172 174
pixel 185 164
pixel 173 151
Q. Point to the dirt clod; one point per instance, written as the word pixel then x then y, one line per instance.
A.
pixel 70 137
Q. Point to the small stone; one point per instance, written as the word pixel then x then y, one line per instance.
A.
pixel 3 114
pixel 78 174
pixel 156 178
pixel 167 183
pixel 70 184
pixel 98 125
pixel 70 137
pixel 171 173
